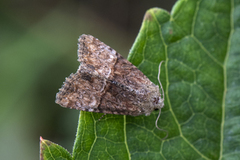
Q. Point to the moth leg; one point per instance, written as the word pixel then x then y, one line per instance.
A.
pixel 101 116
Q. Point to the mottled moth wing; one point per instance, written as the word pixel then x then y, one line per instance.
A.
pixel 106 82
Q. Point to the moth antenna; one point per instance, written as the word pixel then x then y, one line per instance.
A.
pixel 159 71
pixel 160 128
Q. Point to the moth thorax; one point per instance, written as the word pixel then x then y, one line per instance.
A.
pixel 158 103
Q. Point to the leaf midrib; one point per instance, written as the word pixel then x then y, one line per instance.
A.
pixel 125 136
pixel 95 134
pixel 225 78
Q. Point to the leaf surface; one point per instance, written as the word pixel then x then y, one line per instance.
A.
pixel 52 151
pixel 199 42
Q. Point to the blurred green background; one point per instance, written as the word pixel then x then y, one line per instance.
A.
pixel 38 49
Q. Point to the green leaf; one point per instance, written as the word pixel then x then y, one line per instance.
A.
pixel 199 42
pixel 52 151
pixel 104 139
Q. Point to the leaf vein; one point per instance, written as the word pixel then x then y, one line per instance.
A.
pixel 225 79
pixel 95 133
pixel 125 136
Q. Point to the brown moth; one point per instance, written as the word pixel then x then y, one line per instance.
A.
pixel 105 82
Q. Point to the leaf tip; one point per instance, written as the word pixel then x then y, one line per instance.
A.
pixel 147 16
pixel 41 148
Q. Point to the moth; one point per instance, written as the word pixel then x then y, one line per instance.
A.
pixel 107 83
